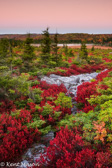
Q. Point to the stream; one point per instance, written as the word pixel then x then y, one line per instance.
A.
pixel 71 83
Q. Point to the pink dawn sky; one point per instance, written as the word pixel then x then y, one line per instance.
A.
pixel 65 16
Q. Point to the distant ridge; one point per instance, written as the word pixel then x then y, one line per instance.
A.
pixel 65 38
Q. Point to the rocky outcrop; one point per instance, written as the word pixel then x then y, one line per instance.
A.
pixel 71 83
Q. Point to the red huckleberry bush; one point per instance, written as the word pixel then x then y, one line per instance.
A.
pixel 84 91
pixel 75 70
pixel 14 137
pixel 6 106
pixel 87 89
pixel 68 150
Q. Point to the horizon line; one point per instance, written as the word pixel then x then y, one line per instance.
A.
pixel 51 33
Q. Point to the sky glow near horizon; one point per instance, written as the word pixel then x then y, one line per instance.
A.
pixel 63 16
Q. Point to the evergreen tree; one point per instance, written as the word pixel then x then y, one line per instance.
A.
pixel 46 46
pixel 66 51
pixel 4 44
pixel 56 57
pixel 6 55
pixel 11 57
pixel 28 54
pixel 92 49
pixel 83 53
pixel 56 44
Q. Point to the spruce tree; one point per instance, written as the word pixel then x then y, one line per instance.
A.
pixel 6 55
pixel 92 49
pixel 66 51
pixel 46 46
pixel 4 45
pixel 83 53
pixel 28 54
pixel 56 57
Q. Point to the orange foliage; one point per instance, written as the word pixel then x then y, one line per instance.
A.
pixel 100 131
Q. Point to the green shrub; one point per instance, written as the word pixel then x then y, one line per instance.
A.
pixel 65 64
pixel 37 107
pixel 52 64
pixel 47 110
pixel 50 98
pixel 83 121
pixel 57 114
pixel 61 70
pixel 29 100
pixel 105 114
pixel 45 130
pixel 17 62
pixel 35 95
pixel 36 123
pixel 20 103
pixel 63 101
pixel 15 113
pixel 94 60
pixel 36 82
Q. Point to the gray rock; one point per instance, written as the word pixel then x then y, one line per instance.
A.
pixel 71 83
pixel 54 76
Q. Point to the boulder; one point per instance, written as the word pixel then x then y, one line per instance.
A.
pixel 71 83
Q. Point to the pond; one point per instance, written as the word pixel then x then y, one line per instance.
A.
pixel 69 45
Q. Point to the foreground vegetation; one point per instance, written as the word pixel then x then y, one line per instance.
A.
pixel 30 108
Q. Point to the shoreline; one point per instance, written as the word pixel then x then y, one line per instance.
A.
pixel 95 46
pixel 89 46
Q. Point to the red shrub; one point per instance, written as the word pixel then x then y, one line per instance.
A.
pixel 107 60
pixel 6 106
pixel 75 70
pixel 85 158
pixel 102 75
pixel 67 150
pixel 84 91
pixel 103 160
pixel 53 90
pixel 15 137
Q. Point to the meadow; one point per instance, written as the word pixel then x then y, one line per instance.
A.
pixel 30 108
